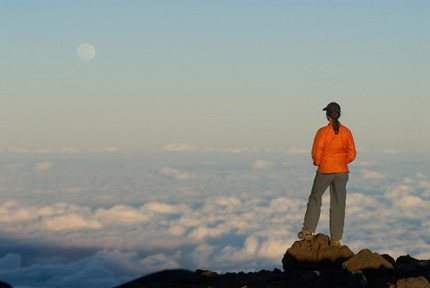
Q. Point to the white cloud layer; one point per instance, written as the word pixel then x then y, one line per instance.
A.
pixel 262 164
pixel 13 149
pixel 372 175
pixel 101 223
pixel 390 151
pixel 70 150
pixel 298 150
pixel 175 173
pixel 175 147
pixel 43 166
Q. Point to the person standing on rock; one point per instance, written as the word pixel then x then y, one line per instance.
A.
pixel 332 151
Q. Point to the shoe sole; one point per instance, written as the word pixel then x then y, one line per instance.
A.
pixel 303 237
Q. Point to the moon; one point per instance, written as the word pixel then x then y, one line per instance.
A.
pixel 86 51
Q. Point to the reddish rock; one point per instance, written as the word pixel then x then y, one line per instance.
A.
pixel 367 262
pixel 314 253
pixel 419 282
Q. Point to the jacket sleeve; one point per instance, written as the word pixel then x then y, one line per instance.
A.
pixel 350 151
pixel 317 148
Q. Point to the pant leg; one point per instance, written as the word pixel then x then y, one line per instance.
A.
pixel 337 205
pixel 313 211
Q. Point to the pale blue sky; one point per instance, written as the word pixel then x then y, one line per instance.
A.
pixel 213 73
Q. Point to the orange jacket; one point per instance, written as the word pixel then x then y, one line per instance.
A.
pixel 332 153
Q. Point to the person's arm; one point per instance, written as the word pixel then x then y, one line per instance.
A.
pixel 350 152
pixel 317 148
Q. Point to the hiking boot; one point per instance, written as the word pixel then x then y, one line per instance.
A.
pixel 307 235
pixel 335 243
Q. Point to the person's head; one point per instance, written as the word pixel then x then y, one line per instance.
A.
pixel 333 114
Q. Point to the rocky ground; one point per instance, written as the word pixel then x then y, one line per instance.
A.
pixel 307 263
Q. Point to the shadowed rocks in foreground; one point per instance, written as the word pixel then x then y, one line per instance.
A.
pixel 167 276
pixel 307 263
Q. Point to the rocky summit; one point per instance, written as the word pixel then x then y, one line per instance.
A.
pixel 307 263
pixel 315 253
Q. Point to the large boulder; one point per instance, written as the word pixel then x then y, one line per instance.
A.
pixel 417 282
pixel 368 262
pixel 315 253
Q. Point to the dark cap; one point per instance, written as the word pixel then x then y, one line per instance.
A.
pixel 333 106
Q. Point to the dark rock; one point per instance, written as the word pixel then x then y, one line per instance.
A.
pixel 389 258
pixel 419 282
pixel 406 260
pixel 206 273
pixel 4 285
pixel 356 280
pixel 309 276
pixel 409 267
pixel 161 279
pixel 314 253
pixel 369 263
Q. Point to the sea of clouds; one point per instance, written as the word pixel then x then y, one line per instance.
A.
pixel 102 219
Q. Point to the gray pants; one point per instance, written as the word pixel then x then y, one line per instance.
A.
pixel 337 183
